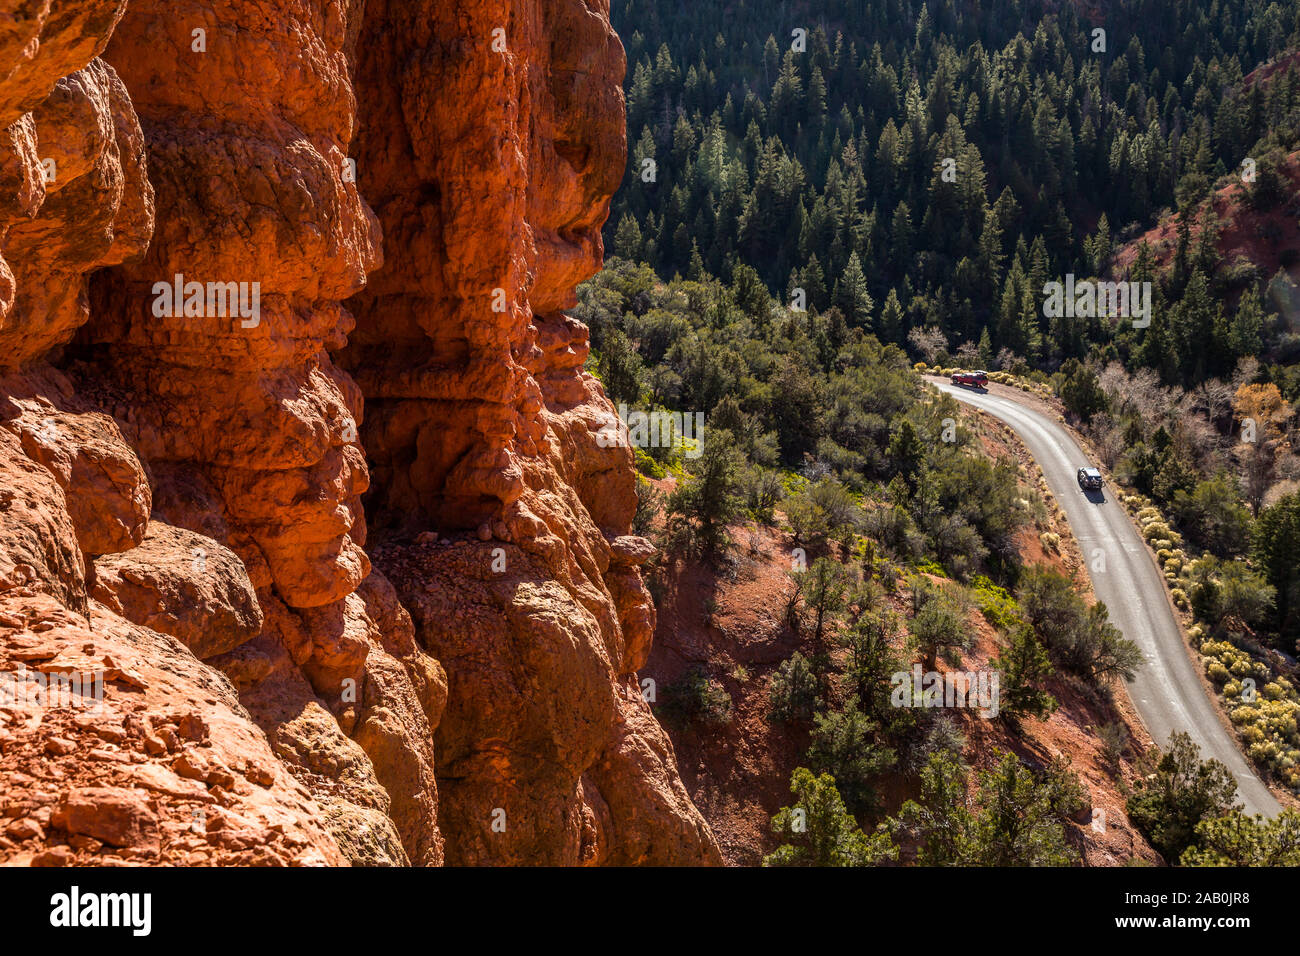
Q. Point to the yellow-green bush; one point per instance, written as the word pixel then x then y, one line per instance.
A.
pixel 1245 714
pixel 1263 753
pixel 1274 690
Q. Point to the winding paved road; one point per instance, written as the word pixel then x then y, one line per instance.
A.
pixel 1167 689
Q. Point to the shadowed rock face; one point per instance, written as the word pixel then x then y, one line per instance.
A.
pixel 492 158
pixel 185 478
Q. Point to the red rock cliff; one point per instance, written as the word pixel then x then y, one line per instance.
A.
pixel 382 206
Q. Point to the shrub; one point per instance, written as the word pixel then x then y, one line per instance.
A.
pixel 996 604
pixel 1168 804
pixel 843 746
pixel 1114 739
pixel 794 691
pixel 647 465
pixel 930 567
pixel 818 829
pixel 697 698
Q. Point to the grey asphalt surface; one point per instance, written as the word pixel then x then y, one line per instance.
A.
pixel 1167 690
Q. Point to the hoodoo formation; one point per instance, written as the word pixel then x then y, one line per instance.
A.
pixel 357 575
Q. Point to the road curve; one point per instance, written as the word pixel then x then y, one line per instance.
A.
pixel 1167 690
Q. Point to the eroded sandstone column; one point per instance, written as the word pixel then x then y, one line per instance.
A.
pixel 218 343
pixel 492 138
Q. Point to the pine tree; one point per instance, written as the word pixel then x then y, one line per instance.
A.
pixel 1024 665
pixel 627 240
pixel 851 295
pixel 891 319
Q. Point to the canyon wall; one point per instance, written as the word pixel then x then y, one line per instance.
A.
pixel 298 451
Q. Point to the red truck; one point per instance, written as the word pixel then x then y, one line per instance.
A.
pixel 973 379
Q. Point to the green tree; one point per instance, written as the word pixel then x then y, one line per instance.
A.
pixel 1239 840
pixel 1213 516
pixel 935 625
pixel 1225 591
pixel 825 586
pixel 1025 667
pixel 796 416
pixel 871 661
pixel 1017 824
pixel 891 319
pixel 621 369
pixel 943 820
pixel 819 831
pixel 627 238
pixel 1269 187
pixel 702 506
pixel 1276 549
pixel 1080 391
pixel 1183 791
pixel 901 232
pixel 906 452
pixel 1014 821
pixel 1080 636
pixel 649 502
pixel 794 694
pixel 852 295
pixel 695 697
pixel 843 745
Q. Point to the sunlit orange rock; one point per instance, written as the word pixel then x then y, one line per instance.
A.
pixel 187 344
